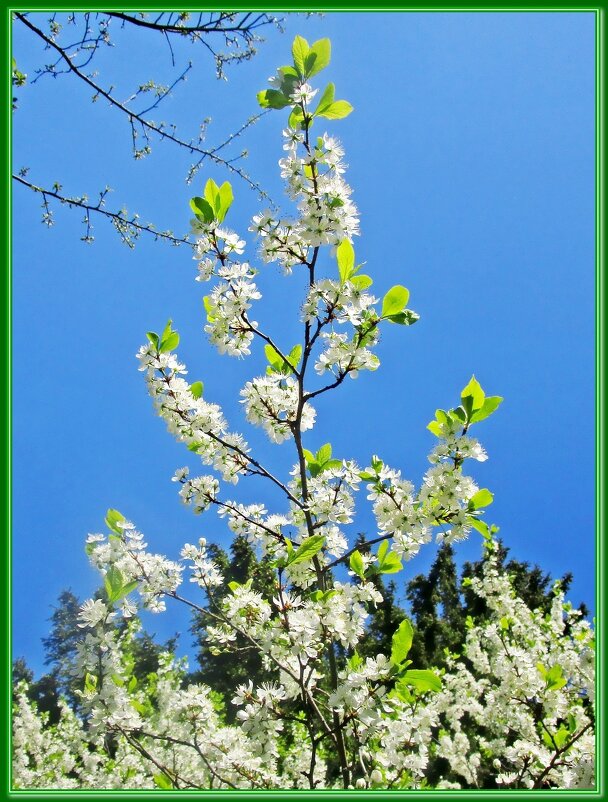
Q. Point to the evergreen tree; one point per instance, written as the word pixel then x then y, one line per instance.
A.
pixel 222 672
pixel 441 601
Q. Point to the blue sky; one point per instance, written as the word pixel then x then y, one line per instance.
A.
pixel 471 153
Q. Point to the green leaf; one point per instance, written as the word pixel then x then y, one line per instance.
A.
pixel 153 338
pixel 307 549
pixel 318 57
pixel 208 304
pixel 273 357
pixel 436 428
pixel 113 581
pixel 299 50
pixel 472 397
pixel 132 684
pixel 354 661
pixel 170 343
pixel 308 455
pixel 212 196
pixel 202 209
pixel 294 356
pixel 554 678
pixel 405 318
pixel 422 680
pixel 326 100
pixel 336 111
pixel 382 549
pixel 361 282
pixel 169 339
pixel 391 564
pixel 324 454
pixel 162 781
pixel 483 498
pixel 345 255
pixel 402 642
pixel 113 517
pixel 356 564
pixel 481 526
pixel 234 586
pixel 272 99
pixel 395 300
pixel 90 682
pixel 490 405
pixel 296 118
pixel 226 198
pixel 196 388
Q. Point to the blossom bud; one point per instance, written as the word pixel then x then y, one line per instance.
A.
pixel 376 776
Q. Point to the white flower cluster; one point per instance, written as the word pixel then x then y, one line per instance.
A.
pixel 155 575
pixel 227 325
pixel 191 419
pixel 523 699
pixel 205 572
pixel 327 215
pixel 272 403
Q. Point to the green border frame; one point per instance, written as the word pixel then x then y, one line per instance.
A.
pixel 599 10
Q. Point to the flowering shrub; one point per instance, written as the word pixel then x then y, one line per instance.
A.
pixel 513 710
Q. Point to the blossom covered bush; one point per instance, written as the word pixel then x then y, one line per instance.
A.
pixel 513 710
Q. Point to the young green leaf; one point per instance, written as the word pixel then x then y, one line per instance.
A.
pixel 422 680
pixel 356 564
pixel 196 388
pixel 296 118
pixel 169 343
pixel 406 318
pixel 318 57
pixel 208 304
pixel 391 564
pixel 490 404
pixel 481 526
pixel 113 582
pixel 153 338
pixel 162 781
pixel 382 549
pixel 299 50
pixel 345 255
pixel 472 397
pixel 361 282
pixel 324 454
pixel 395 300
pixel 226 199
pixel 326 100
pixel 272 99
pixel 307 549
pixel 402 642
pixel 336 110
pixel 202 209
pixel 113 518
pixel 483 498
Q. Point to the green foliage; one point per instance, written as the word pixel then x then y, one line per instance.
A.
pixel 169 339
pixel 307 550
pixel 321 461
pixel 402 642
pixel 308 61
pixel 196 388
pixel 112 519
pixel 277 364
pixel 356 564
pixel 215 204
pixel 222 672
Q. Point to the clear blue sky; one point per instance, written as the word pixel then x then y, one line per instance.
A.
pixel 471 153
